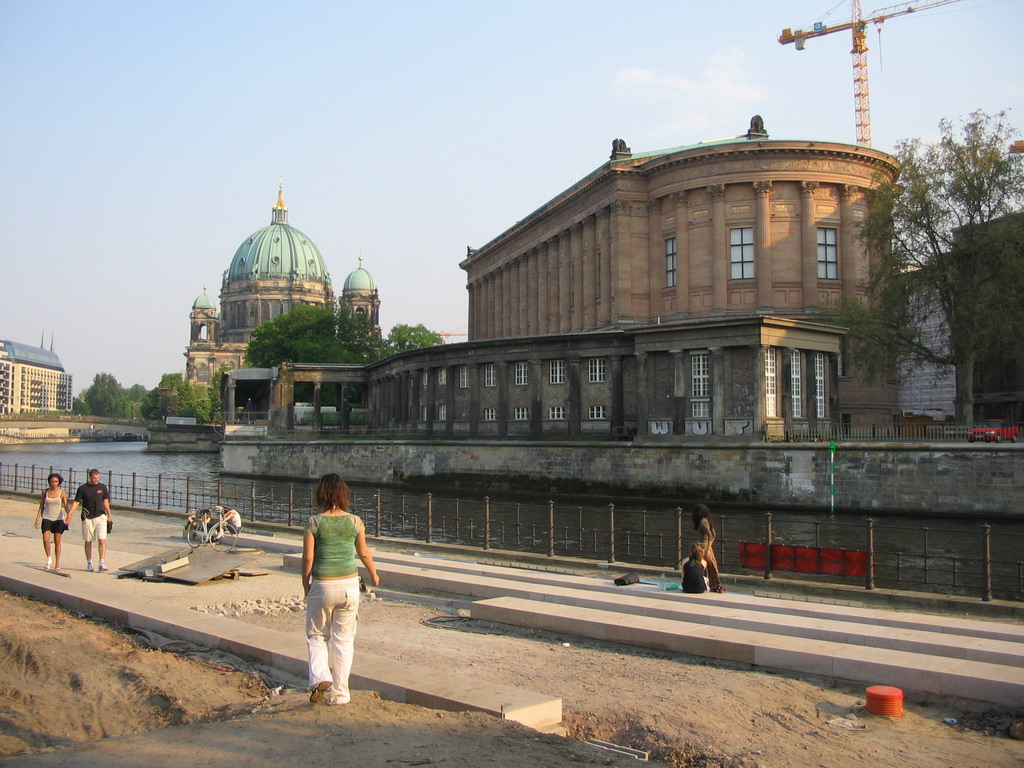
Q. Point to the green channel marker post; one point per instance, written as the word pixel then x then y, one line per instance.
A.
pixel 832 477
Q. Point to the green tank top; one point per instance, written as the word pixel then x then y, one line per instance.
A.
pixel 334 555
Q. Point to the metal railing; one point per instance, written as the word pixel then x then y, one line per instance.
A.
pixel 974 559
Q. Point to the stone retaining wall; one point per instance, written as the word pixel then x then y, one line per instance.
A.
pixel 906 477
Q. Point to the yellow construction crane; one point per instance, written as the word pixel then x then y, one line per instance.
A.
pixel 858 26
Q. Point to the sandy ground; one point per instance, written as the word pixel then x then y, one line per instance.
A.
pixel 77 693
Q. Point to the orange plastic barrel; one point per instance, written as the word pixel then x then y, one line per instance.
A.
pixel 885 700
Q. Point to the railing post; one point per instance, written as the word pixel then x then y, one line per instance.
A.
pixel 159 490
pixel 15 477
pixel 430 517
pixel 220 495
pixel 768 546
pixel 252 501
pixel 134 486
pixel 378 512
pixel 986 558
pixel 188 493
pixel 551 528
pixel 291 502
pixel 487 522
pixel 869 578
pixel 32 479
pixel 611 533
pixel 679 536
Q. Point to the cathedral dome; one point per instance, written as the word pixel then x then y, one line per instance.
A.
pixel 203 302
pixel 278 251
pixel 360 280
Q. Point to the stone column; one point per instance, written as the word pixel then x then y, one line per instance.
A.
pixel 471 296
pixel 452 372
pixel 576 272
pixel 532 293
pixel 516 284
pixel 642 426
pixel 588 264
pixel 431 399
pixel 808 245
pixel 536 400
pixel 501 414
pixel 474 398
pixel 617 407
pixel 604 267
pixel 554 287
pixel 763 244
pixel 851 253
pixel 680 387
pixel 573 401
pixel 719 249
pixel 564 284
pixel 543 286
pixel 716 362
pixel 682 252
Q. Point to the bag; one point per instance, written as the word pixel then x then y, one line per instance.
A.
pixel 629 578
pixel 110 525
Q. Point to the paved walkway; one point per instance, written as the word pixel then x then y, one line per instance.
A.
pixel 946 655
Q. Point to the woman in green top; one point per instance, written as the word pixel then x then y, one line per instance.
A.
pixel 330 579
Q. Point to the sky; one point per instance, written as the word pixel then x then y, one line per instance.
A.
pixel 143 142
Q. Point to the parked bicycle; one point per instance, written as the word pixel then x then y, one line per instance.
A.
pixel 221 535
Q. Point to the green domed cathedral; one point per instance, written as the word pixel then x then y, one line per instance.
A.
pixel 275 269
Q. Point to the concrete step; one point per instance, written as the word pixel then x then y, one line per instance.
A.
pixel 916 672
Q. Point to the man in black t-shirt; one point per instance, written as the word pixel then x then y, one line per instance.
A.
pixel 95 501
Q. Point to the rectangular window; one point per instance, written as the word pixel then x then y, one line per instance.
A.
pixel 424 413
pixel 556 371
pixel 442 376
pixel 670 262
pixel 596 412
pixel 490 377
pixel 819 384
pixel 522 374
pixel 771 389
pixel 489 414
pixel 700 386
pixel 426 377
pixel 463 377
pixel 596 370
pixel 796 385
pixel 828 263
pixel 556 413
pixel 522 413
pixel 741 252
pixel 442 412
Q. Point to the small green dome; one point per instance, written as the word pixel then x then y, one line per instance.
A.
pixel 278 251
pixel 203 302
pixel 360 280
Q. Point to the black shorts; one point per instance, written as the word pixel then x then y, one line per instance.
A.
pixel 56 527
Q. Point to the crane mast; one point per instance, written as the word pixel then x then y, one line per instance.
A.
pixel 859 52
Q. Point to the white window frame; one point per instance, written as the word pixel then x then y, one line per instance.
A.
pixel 522 374
pixel 424 413
pixel 597 371
pixel 556 413
pixel 490 414
pixel 741 253
pixel 442 376
pixel 463 377
pixel 820 401
pixel 796 385
pixel 426 377
pixel 521 413
pixel 771 383
pixel 597 412
pixel 556 371
pixel 442 412
pixel 490 375
pixel 700 385
pixel 671 262
pixel 828 253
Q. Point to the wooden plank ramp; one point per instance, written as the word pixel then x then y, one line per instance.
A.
pixel 204 563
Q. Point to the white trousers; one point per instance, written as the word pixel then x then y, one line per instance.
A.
pixel 332 607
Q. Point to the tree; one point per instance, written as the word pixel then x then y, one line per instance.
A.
pixel 946 241
pixel 310 334
pixel 405 337
pixel 104 397
pixel 174 396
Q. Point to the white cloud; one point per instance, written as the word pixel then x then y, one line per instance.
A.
pixel 722 94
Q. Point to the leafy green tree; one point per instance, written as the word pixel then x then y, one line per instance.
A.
pixel 314 335
pixel 175 396
pixel 405 337
pixel 104 397
pixel 947 244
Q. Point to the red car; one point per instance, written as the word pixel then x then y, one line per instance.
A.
pixel 993 430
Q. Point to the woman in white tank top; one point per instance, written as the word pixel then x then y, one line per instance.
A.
pixel 51 517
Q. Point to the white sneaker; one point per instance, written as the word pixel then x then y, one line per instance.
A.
pixel 103 566
pixel 89 567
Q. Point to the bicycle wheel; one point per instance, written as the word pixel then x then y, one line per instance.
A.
pixel 194 536
pixel 222 538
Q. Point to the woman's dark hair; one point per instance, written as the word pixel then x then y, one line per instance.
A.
pixel 332 493
pixel 700 511
pixel 60 480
